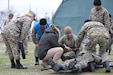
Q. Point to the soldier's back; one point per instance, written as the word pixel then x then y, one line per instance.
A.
pixel 96 29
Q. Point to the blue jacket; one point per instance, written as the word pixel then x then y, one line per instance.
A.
pixel 38 29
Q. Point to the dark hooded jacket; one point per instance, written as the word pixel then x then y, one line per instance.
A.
pixel 48 40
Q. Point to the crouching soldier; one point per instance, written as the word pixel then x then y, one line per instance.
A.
pixel 95 33
pixel 68 40
pixel 14 33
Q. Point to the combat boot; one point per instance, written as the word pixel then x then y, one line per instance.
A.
pixel 12 63
pixel 19 65
pixel 107 67
pixel 56 67
pixel 109 51
pixel 91 66
pixel 36 61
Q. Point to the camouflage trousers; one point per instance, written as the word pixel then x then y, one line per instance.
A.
pixel 36 49
pixel 102 42
pixel 11 46
pixel 36 52
pixel 82 61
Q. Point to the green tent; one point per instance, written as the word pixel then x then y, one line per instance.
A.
pixel 74 12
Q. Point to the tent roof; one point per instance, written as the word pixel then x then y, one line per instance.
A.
pixel 74 12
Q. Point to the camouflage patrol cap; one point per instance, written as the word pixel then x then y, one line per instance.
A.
pixel 67 30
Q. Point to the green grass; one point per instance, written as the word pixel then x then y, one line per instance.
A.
pixel 32 69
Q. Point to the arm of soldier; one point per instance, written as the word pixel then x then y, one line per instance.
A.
pixel 62 42
pixel 76 50
pixel 107 20
pixel 80 37
pixel 25 29
pixel 34 38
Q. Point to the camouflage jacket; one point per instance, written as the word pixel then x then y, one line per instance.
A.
pixel 18 29
pixel 68 42
pixel 91 30
pixel 101 15
pixel 7 21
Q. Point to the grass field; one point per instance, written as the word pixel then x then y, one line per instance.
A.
pixel 32 69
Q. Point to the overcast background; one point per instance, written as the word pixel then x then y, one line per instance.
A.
pixel 41 7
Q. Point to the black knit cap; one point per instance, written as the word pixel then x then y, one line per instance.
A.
pixel 43 21
pixel 97 2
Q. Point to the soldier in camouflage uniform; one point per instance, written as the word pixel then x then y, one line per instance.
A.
pixel 37 31
pixel 25 44
pixel 95 33
pixel 10 16
pixel 68 40
pixel 100 14
pixel 14 33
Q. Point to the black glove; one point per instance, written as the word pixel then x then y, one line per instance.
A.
pixel 75 50
pixel 21 47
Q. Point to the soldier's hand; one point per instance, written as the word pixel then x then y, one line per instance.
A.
pixel 68 48
pixel 20 44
